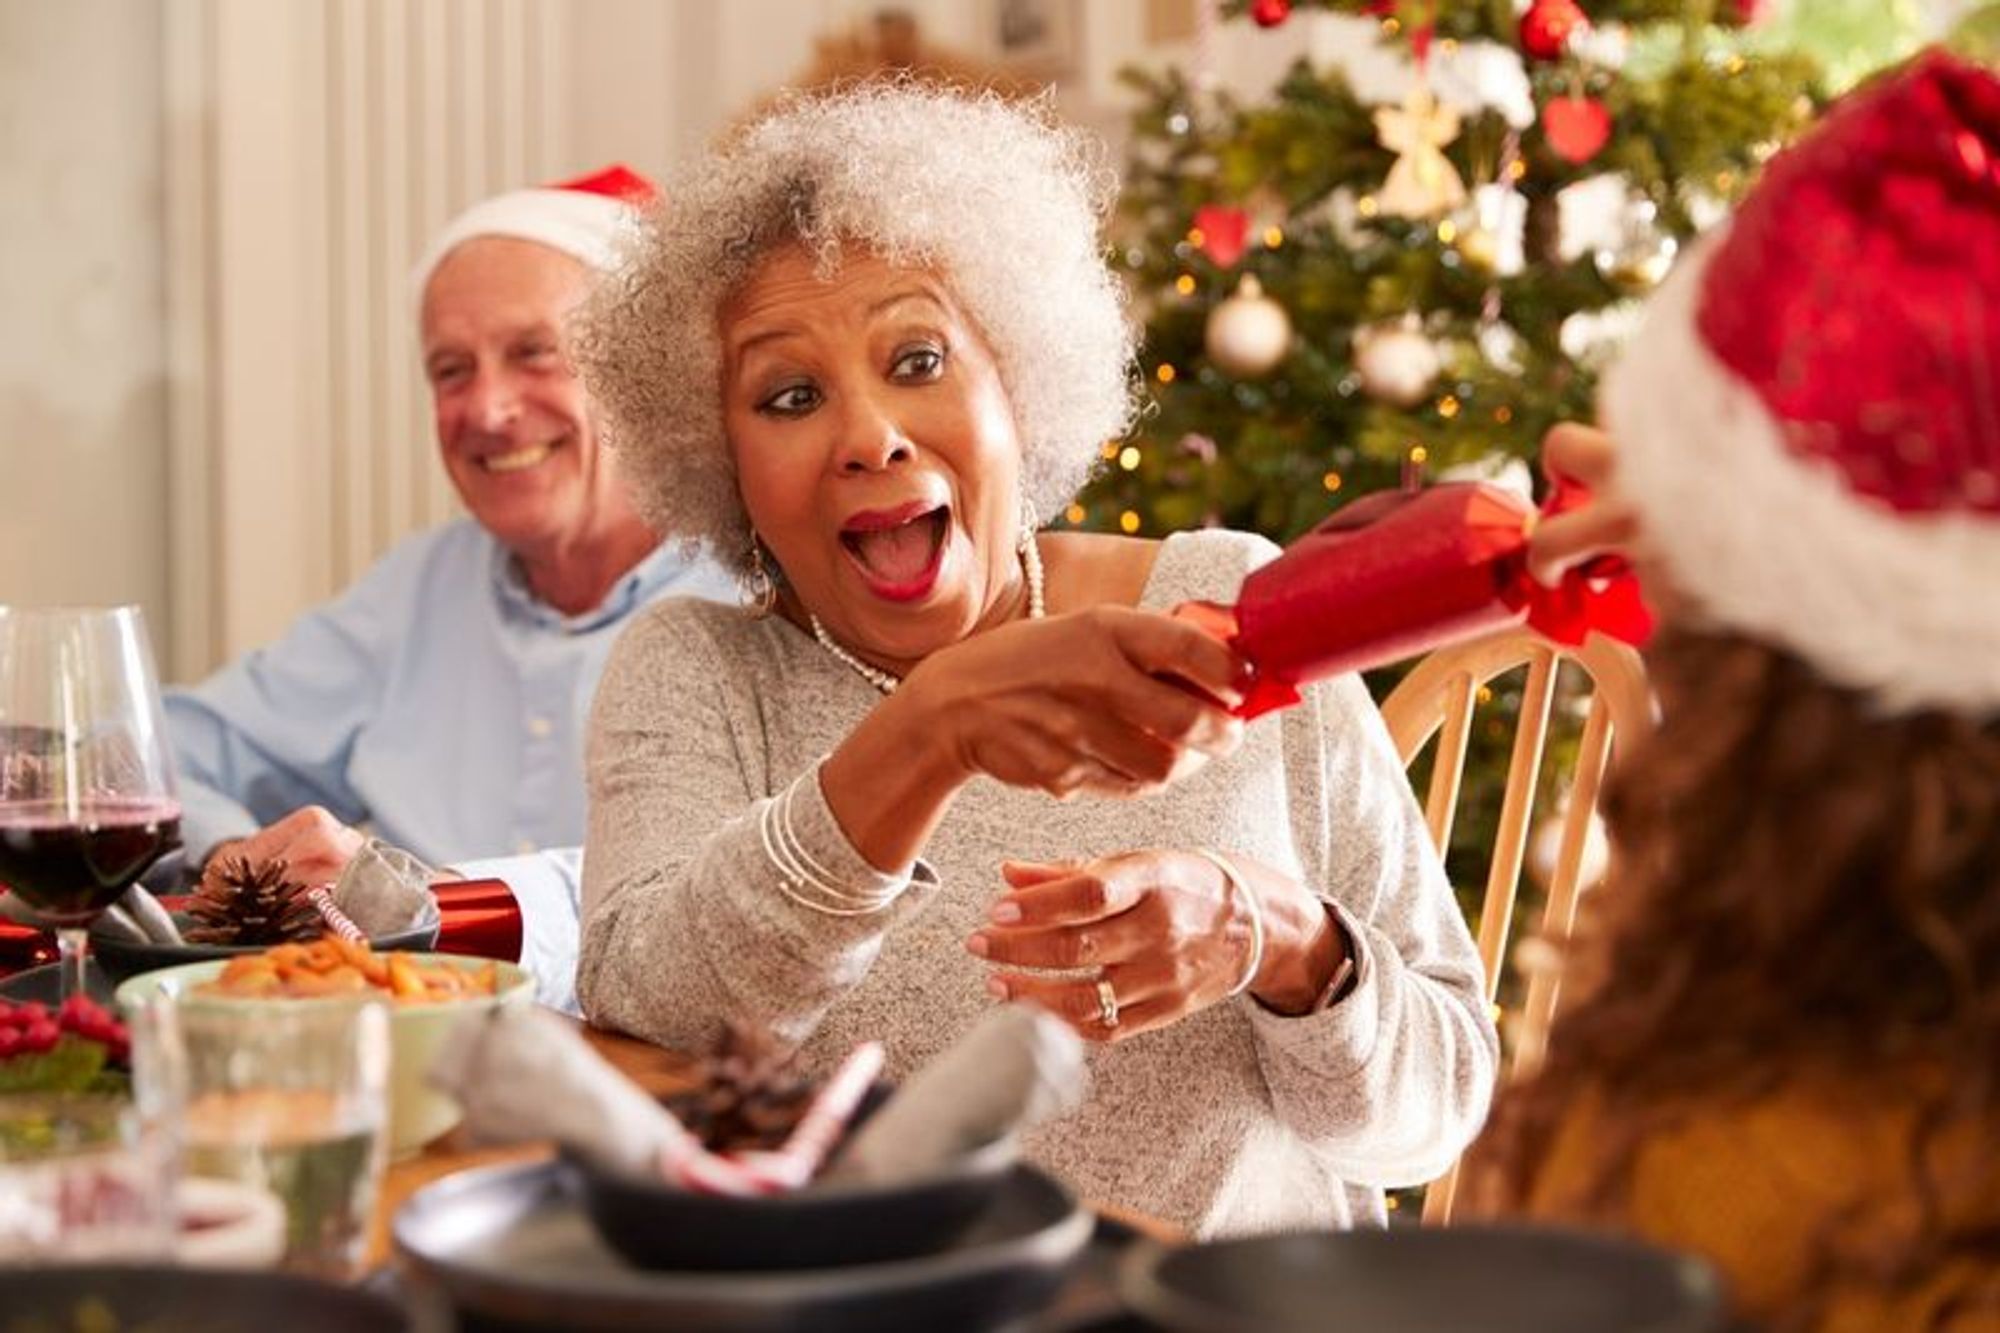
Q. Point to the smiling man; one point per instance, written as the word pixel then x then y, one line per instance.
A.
pixel 441 700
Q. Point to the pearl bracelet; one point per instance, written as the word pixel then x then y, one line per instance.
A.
pixel 1253 908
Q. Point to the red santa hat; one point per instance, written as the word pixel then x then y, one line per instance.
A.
pixel 585 218
pixel 1809 421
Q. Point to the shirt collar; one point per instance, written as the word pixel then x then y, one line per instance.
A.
pixel 518 601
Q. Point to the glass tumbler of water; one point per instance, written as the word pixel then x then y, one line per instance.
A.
pixel 286 1095
pixel 84 1178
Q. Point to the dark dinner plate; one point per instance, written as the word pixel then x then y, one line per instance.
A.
pixel 663 1227
pixel 1499 1279
pixel 43 985
pixel 211 1300
pixel 122 958
pixel 512 1250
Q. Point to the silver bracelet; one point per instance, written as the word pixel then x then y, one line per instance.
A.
pixel 800 877
pixel 1252 906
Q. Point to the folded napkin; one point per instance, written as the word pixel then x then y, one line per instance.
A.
pixel 385 889
pixel 522 1073
pixel 137 917
pixel 1017 1067
pixel 142 917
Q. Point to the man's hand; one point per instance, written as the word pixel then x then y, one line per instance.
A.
pixel 314 846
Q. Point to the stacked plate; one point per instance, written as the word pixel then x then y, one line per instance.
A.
pixel 211 1300
pixel 1496 1279
pixel 123 958
pixel 514 1249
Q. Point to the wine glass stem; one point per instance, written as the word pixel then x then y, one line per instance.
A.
pixel 73 946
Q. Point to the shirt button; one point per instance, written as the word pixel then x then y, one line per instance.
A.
pixel 540 727
pixel 526 847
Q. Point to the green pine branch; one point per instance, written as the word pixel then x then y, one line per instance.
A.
pixel 1691 123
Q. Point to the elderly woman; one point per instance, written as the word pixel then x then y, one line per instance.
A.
pixel 868 345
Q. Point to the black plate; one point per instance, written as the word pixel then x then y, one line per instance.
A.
pixel 512 1250
pixel 212 1300
pixel 1497 1279
pixel 657 1226
pixel 122 958
pixel 43 985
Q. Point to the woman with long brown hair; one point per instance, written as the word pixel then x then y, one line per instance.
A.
pixel 1782 1046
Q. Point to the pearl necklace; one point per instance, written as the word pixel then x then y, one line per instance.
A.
pixel 886 682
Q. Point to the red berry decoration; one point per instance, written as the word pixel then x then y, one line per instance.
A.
pixel 1577 127
pixel 1548 25
pixel 1270 13
pixel 39 1037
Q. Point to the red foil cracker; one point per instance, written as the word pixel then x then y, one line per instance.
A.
pixel 1397 574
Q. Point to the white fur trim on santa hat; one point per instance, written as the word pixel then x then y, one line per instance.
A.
pixel 1903 607
pixel 586 226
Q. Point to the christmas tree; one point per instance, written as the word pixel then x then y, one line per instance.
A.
pixel 1343 290
pixel 1334 288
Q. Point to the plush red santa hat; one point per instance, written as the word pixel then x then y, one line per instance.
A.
pixel 585 218
pixel 1809 420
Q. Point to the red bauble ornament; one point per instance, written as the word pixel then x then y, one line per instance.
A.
pixel 1577 128
pixel 1225 233
pixel 1548 25
pixel 1270 13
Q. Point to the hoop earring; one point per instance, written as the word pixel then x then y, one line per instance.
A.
pixel 763 588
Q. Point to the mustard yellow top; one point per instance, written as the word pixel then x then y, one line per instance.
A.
pixel 1752 1186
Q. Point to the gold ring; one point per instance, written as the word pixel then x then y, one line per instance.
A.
pixel 1107 1004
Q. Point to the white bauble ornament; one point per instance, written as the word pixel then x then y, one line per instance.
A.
pixel 1396 362
pixel 1639 256
pixel 1545 844
pixel 1593 337
pixel 1248 334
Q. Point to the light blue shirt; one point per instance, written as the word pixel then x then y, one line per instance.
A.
pixel 435 700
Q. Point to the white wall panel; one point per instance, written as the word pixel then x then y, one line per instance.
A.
pixel 314 147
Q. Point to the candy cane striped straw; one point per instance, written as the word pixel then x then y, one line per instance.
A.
pixel 820 1128
pixel 686 1163
pixel 337 921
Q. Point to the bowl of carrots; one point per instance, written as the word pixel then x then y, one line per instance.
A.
pixel 425 992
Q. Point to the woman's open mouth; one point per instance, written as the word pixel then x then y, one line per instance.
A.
pixel 899 551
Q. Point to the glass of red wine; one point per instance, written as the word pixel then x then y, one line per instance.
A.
pixel 87 797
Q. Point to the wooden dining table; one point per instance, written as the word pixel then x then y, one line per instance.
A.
pixel 659 1071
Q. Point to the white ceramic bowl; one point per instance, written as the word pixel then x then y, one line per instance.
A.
pixel 418 1112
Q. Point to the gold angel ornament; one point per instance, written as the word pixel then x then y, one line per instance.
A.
pixel 1422 183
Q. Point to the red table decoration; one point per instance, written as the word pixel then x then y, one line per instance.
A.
pixel 479 918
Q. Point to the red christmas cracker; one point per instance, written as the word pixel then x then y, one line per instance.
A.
pixel 1401 573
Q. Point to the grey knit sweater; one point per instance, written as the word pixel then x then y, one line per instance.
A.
pixel 1232 1120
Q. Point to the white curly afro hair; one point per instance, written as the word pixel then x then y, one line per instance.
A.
pixel 1000 201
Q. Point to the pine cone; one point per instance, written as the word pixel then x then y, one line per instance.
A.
pixel 252 905
pixel 750 1095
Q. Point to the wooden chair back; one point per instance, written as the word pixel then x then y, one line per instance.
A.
pixel 1438 699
